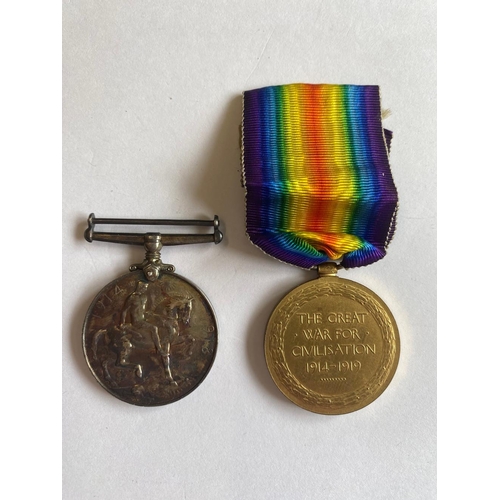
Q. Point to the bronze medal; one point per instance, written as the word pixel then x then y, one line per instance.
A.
pixel 332 345
pixel 320 195
pixel 150 337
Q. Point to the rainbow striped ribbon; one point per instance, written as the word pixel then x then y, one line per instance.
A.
pixel 316 173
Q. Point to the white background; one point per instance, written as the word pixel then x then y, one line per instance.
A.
pixel 152 106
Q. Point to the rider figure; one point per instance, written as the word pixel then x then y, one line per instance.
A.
pixel 135 310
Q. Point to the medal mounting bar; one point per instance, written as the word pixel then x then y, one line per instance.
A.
pixel 152 265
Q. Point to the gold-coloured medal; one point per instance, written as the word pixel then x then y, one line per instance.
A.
pixel 320 194
pixel 332 345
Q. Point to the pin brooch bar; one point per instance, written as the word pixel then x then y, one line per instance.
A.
pixel 166 239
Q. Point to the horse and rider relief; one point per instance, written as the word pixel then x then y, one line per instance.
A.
pixel 145 344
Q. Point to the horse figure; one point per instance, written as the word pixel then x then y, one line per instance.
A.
pixel 146 335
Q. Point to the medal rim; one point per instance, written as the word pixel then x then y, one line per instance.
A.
pixel 216 335
pixel 322 409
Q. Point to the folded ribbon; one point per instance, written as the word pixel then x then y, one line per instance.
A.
pixel 316 173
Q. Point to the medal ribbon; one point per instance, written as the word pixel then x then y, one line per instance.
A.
pixel 316 173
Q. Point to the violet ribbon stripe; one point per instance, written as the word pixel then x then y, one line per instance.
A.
pixel 316 173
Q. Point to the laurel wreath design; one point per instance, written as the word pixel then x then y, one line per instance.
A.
pixel 289 307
